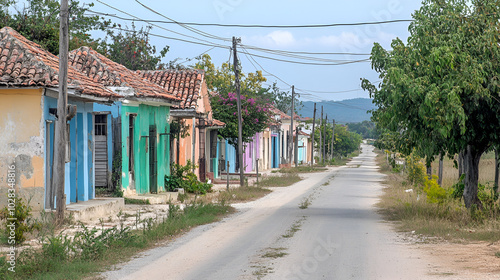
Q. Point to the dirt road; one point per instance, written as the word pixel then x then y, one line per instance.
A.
pixel 324 227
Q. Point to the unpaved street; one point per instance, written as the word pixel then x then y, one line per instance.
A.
pixel 338 236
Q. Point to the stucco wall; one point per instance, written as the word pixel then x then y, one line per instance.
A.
pixel 146 116
pixel 22 142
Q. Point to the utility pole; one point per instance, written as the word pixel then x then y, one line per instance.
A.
pixel 314 123
pixel 62 105
pixel 321 137
pixel 333 137
pixel 240 128
pixel 296 147
pixel 290 147
pixel 324 139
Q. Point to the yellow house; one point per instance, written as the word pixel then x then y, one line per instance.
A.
pixel 28 102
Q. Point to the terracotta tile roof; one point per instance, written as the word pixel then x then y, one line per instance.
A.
pixel 278 112
pixel 213 122
pixel 103 70
pixel 303 133
pixel 24 63
pixel 185 84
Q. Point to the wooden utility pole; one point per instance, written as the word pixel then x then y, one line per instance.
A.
pixel 324 138
pixel 314 123
pixel 296 147
pixel 321 137
pixel 497 161
pixel 333 137
pixel 440 170
pixel 240 128
pixel 291 142
pixel 62 104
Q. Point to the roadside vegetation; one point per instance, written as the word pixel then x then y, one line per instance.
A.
pixel 94 250
pixel 420 205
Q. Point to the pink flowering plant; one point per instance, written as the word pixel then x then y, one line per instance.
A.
pixel 255 114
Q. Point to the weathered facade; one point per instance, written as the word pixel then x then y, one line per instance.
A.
pixel 28 103
pixel 143 118
pixel 200 145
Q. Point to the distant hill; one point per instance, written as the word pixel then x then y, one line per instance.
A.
pixel 345 111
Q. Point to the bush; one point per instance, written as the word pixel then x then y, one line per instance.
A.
pixel 23 222
pixel 182 177
pixel 415 170
pixel 457 190
pixel 434 192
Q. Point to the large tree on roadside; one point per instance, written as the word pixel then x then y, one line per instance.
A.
pixel 440 91
pixel 255 100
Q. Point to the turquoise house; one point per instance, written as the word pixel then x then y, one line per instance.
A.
pixel 135 130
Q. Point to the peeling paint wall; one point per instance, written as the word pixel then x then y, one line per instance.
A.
pixel 146 116
pixel 22 142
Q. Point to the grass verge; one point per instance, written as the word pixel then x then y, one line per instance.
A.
pixel 449 220
pixel 303 169
pixel 243 194
pixel 284 180
pixel 92 250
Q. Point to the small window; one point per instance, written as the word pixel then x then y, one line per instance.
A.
pixel 101 124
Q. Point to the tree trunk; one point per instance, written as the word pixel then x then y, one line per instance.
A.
pixel 429 171
pixel 497 161
pixel 237 166
pixel 471 158
pixel 460 164
pixel 440 171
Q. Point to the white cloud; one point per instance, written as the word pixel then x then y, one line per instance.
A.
pixel 277 38
pixel 344 41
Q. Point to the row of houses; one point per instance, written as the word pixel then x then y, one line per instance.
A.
pixel 123 118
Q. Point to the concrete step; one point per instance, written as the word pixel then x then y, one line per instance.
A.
pixel 92 210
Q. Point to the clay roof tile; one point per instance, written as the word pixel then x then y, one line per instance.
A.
pixel 30 65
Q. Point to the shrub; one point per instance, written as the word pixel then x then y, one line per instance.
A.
pixel 183 177
pixel 415 170
pixel 23 222
pixel 434 192
pixel 457 190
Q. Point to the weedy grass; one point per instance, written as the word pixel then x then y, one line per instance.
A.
pixel 305 203
pixel 303 169
pixel 136 201
pixel 243 194
pixel 284 180
pixel 294 228
pixel 274 253
pixel 94 250
pixel 448 220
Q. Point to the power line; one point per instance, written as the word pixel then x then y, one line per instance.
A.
pixel 139 19
pixel 202 33
pixel 189 59
pixel 178 39
pixel 246 51
pixel 301 52
pixel 261 25
pixel 310 63
pixel 342 91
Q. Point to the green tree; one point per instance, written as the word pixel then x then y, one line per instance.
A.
pixel 345 141
pixel 283 99
pixel 255 100
pixel 440 91
pixel 133 49
pixel 367 129
pixel 38 21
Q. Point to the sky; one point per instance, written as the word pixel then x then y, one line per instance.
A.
pixel 312 82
